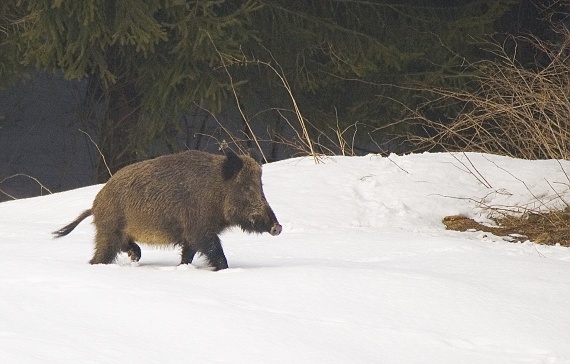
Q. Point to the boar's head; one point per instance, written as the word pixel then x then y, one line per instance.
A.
pixel 245 204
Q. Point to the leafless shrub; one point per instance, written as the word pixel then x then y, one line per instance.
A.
pixel 515 109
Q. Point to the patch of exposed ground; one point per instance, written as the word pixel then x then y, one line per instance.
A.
pixel 545 228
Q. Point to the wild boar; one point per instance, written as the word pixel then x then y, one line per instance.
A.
pixel 184 199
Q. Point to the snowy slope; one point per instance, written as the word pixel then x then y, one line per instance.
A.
pixel 364 272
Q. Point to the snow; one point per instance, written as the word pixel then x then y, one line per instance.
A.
pixel 364 272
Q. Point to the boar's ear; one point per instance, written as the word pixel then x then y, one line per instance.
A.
pixel 256 155
pixel 232 165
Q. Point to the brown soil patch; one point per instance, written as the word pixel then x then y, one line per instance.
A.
pixel 546 228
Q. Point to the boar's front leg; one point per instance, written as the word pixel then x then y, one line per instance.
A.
pixel 211 247
pixel 133 250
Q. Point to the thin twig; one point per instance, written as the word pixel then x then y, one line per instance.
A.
pixel 7 194
pixel 27 176
pixel 477 175
pixel 99 150
pixel 521 181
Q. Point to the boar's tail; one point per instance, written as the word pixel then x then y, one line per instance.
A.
pixel 68 228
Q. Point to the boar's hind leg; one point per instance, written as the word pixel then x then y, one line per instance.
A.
pixel 211 247
pixel 133 250
pixel 107 246
pixel 187 254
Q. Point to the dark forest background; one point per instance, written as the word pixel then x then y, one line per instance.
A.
pixel 133 79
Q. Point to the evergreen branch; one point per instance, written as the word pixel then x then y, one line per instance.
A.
pixel 320 23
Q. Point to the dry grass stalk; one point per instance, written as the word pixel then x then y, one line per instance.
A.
pixel 228 60
pixel 99 151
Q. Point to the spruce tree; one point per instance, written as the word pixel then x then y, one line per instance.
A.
pixel 147 62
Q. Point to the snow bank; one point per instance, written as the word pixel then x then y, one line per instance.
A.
pixel 364 272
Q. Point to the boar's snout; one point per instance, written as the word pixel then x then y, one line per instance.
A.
pixel 275 229
pixel 266 222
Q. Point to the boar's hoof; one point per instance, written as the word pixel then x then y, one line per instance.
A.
pixel 275 230
pixel 134 251
pixel 135 257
